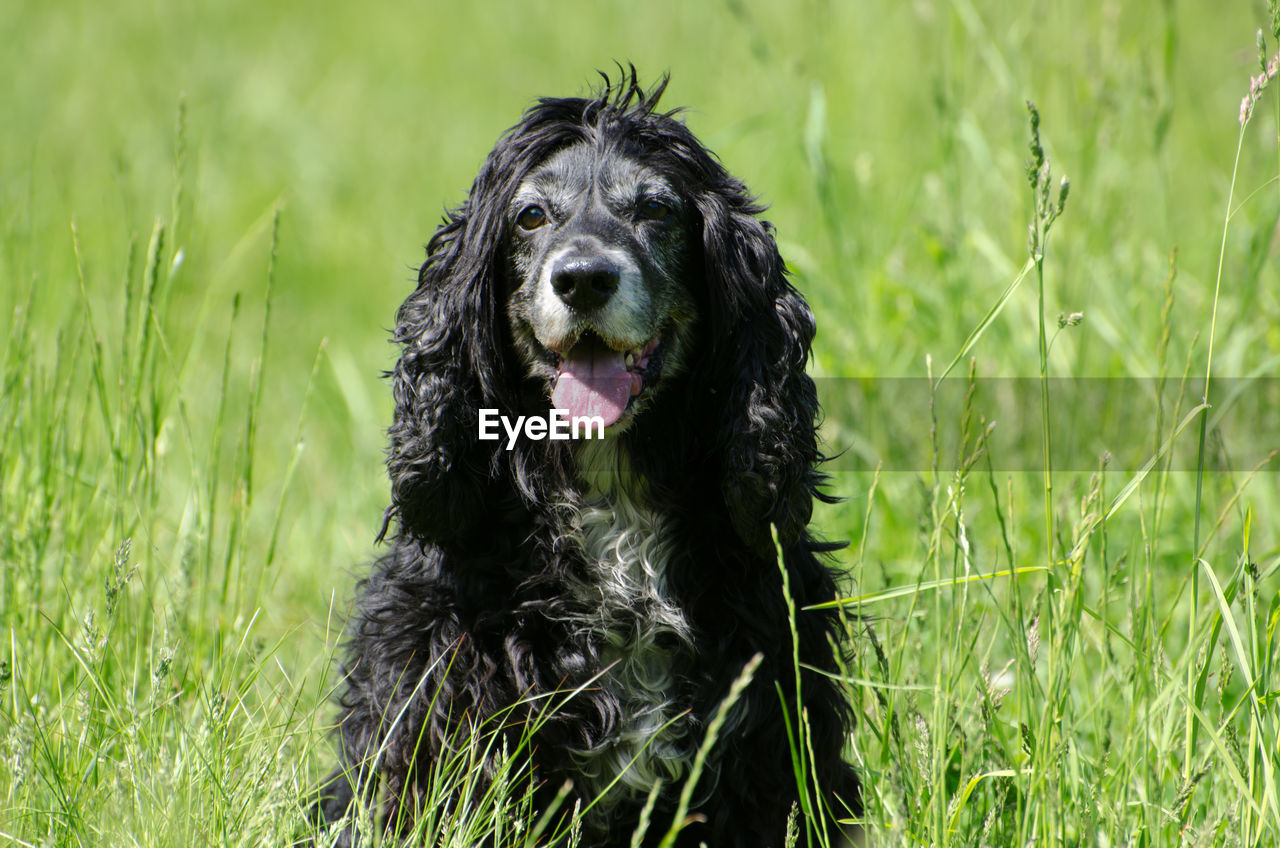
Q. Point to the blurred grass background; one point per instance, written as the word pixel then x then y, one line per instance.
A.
pixel 889 139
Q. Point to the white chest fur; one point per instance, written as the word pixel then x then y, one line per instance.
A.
pixel 630 618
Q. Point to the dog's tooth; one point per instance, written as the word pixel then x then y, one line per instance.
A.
pixel 630 359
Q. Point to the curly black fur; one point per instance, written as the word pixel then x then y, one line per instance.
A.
pixel 476 610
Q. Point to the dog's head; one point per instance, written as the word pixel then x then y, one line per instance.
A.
pixel 602 257
pixel 600 302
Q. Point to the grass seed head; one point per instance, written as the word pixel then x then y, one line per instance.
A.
pixel 1033 640
pixel 1258 84
pixel 922 743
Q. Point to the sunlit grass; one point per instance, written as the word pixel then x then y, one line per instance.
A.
pixel 208 216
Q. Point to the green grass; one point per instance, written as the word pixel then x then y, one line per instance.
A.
pixel 208 215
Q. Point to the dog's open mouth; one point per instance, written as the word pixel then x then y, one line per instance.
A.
pixel 593 379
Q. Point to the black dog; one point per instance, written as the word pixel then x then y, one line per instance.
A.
pixel 604 265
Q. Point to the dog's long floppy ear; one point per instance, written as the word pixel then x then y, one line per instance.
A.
pixel 761 330
pixel 444 329
pixel 451 366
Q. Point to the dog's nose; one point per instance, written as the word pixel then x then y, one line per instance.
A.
pixel 585 282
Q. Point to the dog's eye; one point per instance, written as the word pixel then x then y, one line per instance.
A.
pixel 653 210
pixel 531 217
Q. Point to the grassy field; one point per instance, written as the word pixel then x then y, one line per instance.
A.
pixel 209 212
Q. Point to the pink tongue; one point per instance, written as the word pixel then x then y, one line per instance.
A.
pixel 594 382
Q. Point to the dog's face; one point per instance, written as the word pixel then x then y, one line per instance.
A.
pixel 600 304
